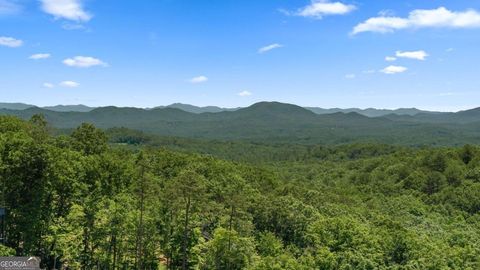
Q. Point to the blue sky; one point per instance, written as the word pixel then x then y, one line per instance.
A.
pixel 234 53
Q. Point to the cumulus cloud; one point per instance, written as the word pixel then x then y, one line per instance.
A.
pixel 10 42
pixel 394 69
pixel 390 58
pixel 84 62
pixel 321 8
pixel 198 79
pixel 69 84
pixel 8 7
pixel 48 85
pixel 245 94
pixel 269 48
pixel 417 55
pixel 40 56
pixel 421 18
pixel 66 9
pixel 350 76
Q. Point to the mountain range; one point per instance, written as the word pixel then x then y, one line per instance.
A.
pixel 57 108
pixel 370 112
pixel 277 122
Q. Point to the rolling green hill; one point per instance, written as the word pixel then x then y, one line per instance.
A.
pixel 276 122
pixel 69 108
pixel 196 109
pixel 15 106
pixel 370 112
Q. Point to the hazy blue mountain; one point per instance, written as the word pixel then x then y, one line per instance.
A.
pixel 15 106
pixel 371 112
pixel 69 108
pixel 272 122
pixel 462 117
pixel 58 108
pixel 196 109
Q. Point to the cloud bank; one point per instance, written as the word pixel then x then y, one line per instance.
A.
pixel 421 18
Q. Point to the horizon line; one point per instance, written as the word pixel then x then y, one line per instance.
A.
pixel 240 107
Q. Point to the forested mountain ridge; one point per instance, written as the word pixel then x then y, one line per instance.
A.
pixel 15 106
pixel 196 109
pixel 370 112
pixel 79 204
pixel 273 121
pixel 69 108
pixel 57 108
pixel 464 117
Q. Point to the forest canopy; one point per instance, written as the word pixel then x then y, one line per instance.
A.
pixel 80 202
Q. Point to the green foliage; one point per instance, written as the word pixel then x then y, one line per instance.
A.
pixel 271 122
pixel 228 250
pixel 6 251
pixel 79 204
pixel 89 140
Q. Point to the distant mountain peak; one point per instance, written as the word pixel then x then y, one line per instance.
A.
pixel 69 108
pixel 277 109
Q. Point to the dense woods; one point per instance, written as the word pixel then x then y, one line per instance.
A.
pixel 274 122
pixel 80 202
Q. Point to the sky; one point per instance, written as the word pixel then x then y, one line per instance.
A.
pixel 231 53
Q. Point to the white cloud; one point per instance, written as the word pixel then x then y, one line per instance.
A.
pixel 269 48
pixel 69 84
pixel 66 9
pixel 421 18
pixel 73 26
pixel 381 25
pixel 350 76
pixel 390 58
pixel 8 7
pixel 39 56
pixel 417 55
pixel 320 8
pixel 83 62
pixel 369 71
pixel 386 13
pixel 198 79
pixel 10 42
pixel 48 85
pixel 394 69
pixel 244 94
